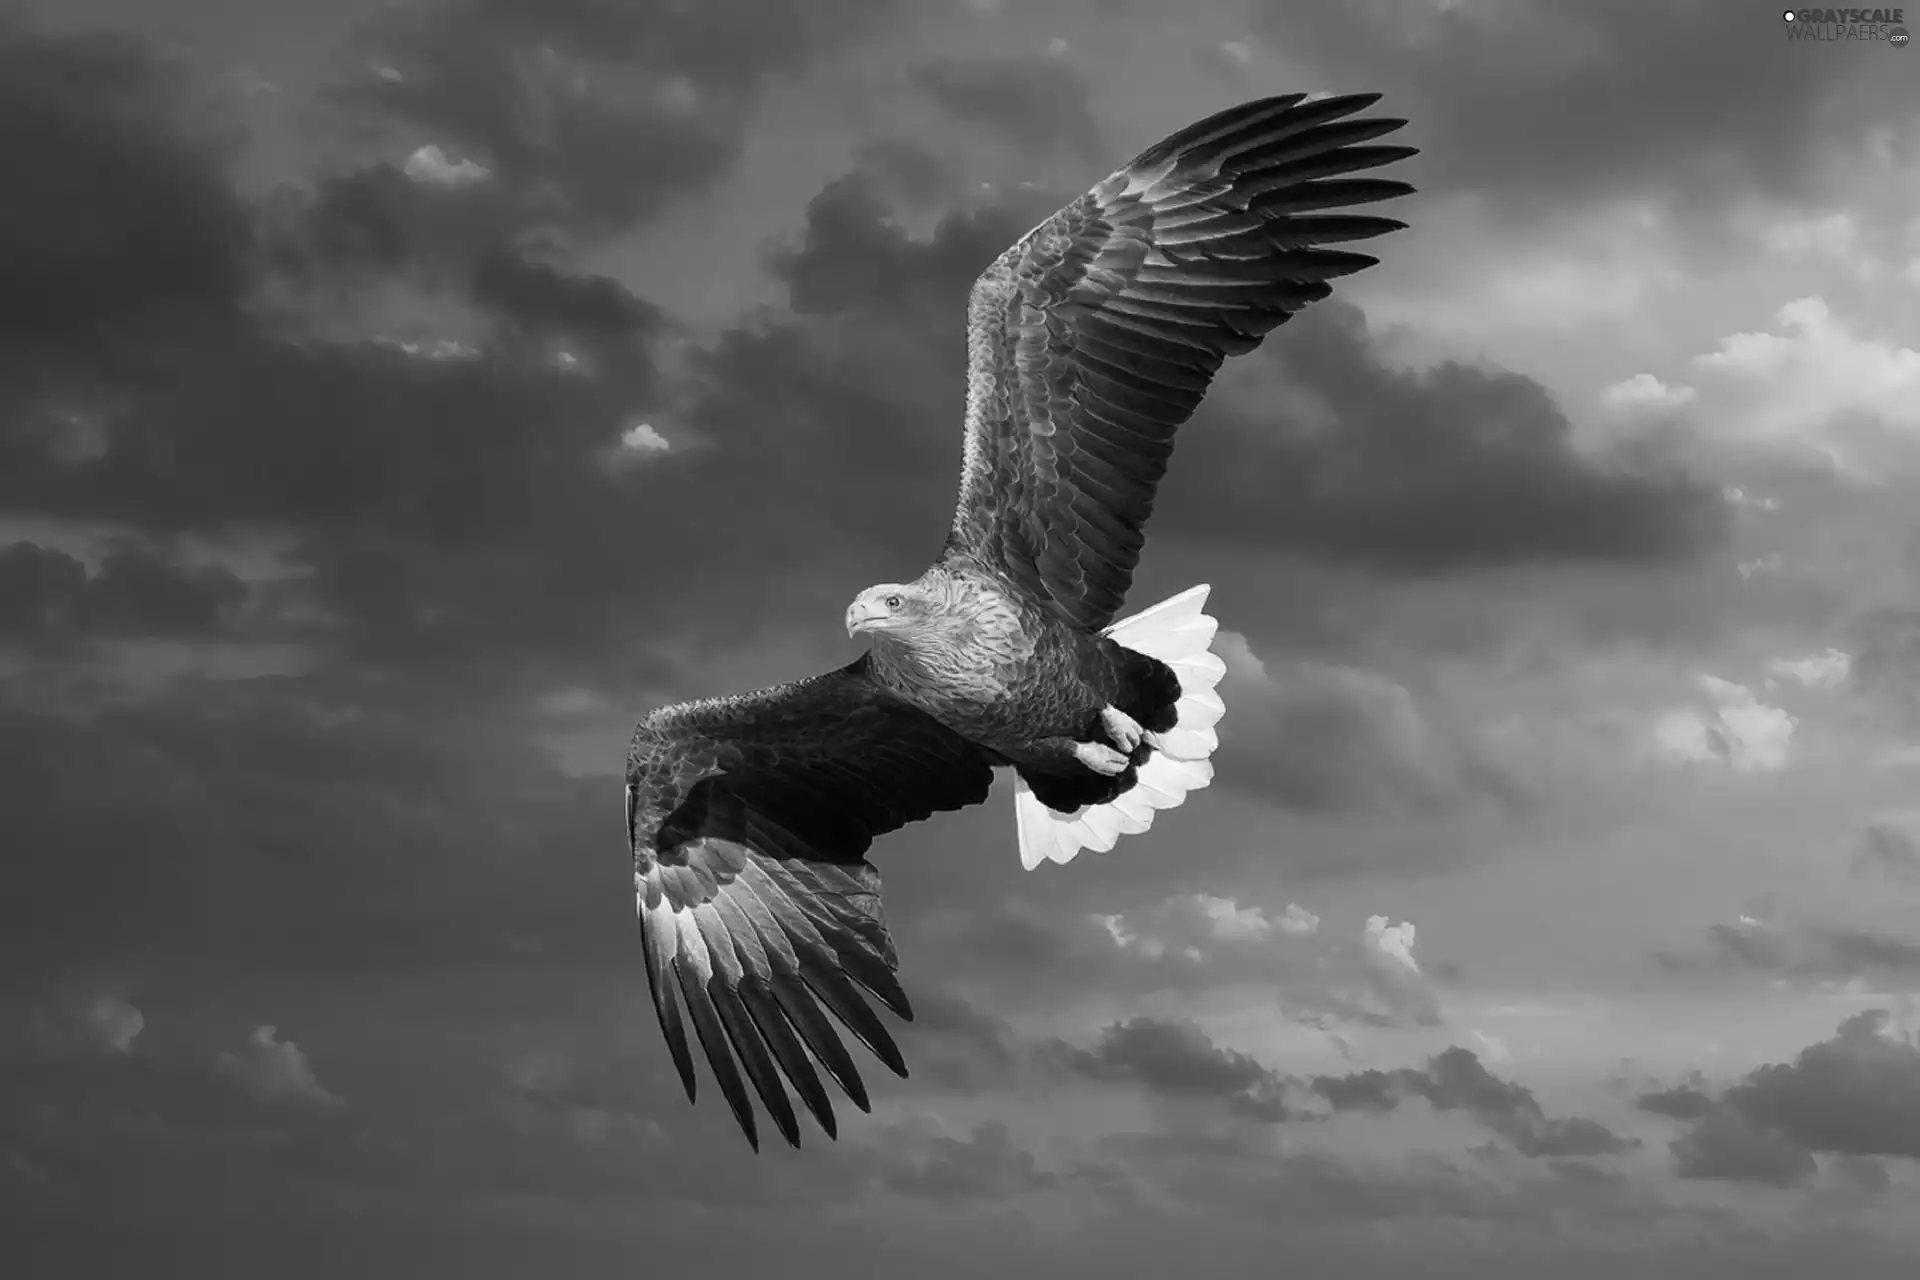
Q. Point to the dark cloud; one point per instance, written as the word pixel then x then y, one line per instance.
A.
pixel 1725 1145
pixel 1178 1060
pixel 119 220
pixel 412 484
pixel 1037 104
pixel 1563 104
pixel 47 595
pixel 1889 847
pixel 1810 952
pixel 1322 737
pixel 1327 449
pixel 1856 1094
pixel 983 1164
pixel 1677 1102
pixel 1862 1173
pixel 610 111
pixel 286 827
pixel 954 1044
pixel 1456 1080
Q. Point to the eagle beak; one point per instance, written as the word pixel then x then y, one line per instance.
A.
pixel 861 615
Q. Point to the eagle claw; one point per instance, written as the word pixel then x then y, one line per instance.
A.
pixel 1122 729
pixel 1100 757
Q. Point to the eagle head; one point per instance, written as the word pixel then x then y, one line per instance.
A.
pixel 891 606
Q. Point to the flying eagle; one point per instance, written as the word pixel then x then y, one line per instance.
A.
pixel 1088 342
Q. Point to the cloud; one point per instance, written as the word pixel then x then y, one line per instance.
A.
pixel 79 1024
pixel 1856 1094
pixel 1811 389
pixel 1827 669
pixel 1456 1080
pixel 1725 1145
pixel 164 237
pixel 1644 393
pixel 1677 1102
pixel 615 111
pixel 1809 952
pixel 1376 982
pixel 984 1163
pixel 1729 727
pixel 1323 446
pixel 1888 845
pixel 275 1070
pixel 114 1022
pixel 1198 942
pixel 1038 105
pixel 1178 1060
pixel 430 164
pixel 46 594
pixel 1764 119
pixel 271 812
pixel 1318 736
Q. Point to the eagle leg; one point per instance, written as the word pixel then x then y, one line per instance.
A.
pixel 1122 729
pixel 1100 757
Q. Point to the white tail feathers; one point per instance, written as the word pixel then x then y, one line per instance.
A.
pixel 1177 632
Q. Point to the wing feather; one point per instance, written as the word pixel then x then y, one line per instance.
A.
pixel 1092 340
pixel 749 820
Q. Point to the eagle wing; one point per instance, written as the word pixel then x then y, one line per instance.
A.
pixel 750 819
pixel 1095 337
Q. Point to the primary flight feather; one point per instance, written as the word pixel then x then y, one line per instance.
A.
pixel 1089 343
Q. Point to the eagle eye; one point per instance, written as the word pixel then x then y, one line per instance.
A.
pixel 893 602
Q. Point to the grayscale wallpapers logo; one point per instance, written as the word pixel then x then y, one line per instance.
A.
pixel 1848 24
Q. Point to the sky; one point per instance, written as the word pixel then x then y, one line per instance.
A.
pixel 399 399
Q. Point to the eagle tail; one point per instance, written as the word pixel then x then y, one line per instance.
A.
pixel 1179 633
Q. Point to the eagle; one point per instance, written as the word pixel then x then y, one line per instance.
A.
pixel 1089 342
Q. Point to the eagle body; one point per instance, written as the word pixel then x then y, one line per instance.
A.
pixel 1019 681
pixel 1090 342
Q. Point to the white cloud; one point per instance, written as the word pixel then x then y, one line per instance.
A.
pixel 643 438
pixel 1239 51
pixel 430 165
pixel 1393 942
pixel 1735 496
pixel 1492 1048
pixel 438 349
pixel 1299 921
pixel 1644 393
pixel 1832 236
pixel 275 1070
pixel 1806 387
pixel 1231 922
pixel 114 1023
pixel 1825 670
pixel 636 445
pixel 1732 727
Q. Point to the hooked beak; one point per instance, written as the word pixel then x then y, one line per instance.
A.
pixel 861 615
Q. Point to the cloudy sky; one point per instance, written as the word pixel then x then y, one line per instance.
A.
pixel 397 399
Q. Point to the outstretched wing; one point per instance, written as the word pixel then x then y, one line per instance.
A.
pixel 1095 337
pixel 750 819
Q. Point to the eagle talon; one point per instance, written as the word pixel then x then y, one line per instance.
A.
pixel 1100 757
pixel 1122 729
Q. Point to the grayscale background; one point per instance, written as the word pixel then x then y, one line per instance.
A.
pixel 396 400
